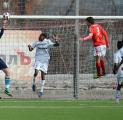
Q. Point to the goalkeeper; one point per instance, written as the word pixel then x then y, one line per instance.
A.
pixel 100 42
pixel 3 65
pixel 42 58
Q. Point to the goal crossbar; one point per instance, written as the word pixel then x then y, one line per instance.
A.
pixel 59 17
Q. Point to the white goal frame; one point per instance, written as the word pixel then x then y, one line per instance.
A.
pixel 59 17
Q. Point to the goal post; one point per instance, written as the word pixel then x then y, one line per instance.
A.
pixel 23 30
pixel 76 55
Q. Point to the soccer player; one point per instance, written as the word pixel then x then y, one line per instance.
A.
pixel 42 58
pixel 3 65
pixel 100 42
pixel 118 69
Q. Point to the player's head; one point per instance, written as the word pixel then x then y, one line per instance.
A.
pixel 90 20
pixel 119 44
pixel 42 36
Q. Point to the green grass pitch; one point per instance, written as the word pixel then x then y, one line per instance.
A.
pixel 60 110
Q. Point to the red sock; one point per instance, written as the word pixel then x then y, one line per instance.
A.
pixel 98 66
pixel 102 66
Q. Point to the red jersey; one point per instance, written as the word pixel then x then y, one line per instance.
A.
pixel 99 35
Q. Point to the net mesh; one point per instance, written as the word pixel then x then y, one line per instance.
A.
pixel 59 79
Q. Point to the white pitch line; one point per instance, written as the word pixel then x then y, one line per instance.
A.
pixel 56 107
pixel 44 101
pixel 35 101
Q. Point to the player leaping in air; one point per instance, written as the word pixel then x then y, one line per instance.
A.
pixel 42 58
pixel 3 65
pixel 100 42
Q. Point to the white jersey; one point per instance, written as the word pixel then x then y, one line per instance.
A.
pixel 117 59
pixel 42 49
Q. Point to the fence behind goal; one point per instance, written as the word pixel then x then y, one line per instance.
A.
pixel 62 66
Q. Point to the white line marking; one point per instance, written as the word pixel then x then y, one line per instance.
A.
pixel 56 107
pixel 49 101
pixel 36 101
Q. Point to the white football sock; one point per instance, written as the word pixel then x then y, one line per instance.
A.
pixel 42 85
pixel 33 81
pixel 117 94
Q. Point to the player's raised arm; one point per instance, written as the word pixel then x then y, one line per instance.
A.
pixel 87 37
pixel 56 38
pixel 30 48
pixel 1 32
pixel 5 22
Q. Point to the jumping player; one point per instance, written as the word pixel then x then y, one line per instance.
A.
pixel 42 58
pixel 100 42
pixel 3 65
pixel 118 69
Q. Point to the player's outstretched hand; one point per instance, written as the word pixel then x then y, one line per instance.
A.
pixel 81 39
pixel 55 37
pixel 29 46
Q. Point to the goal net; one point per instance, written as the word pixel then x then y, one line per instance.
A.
pixel 24 30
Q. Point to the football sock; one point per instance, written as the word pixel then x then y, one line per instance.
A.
pixel 117 94
pixel 102 66
pixel 98 66
pixel 42 85
pixel 33 81
pixel 7 82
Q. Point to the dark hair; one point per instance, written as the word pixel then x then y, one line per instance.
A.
pixel 119 44
pixel 44 34
pixel 90 20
